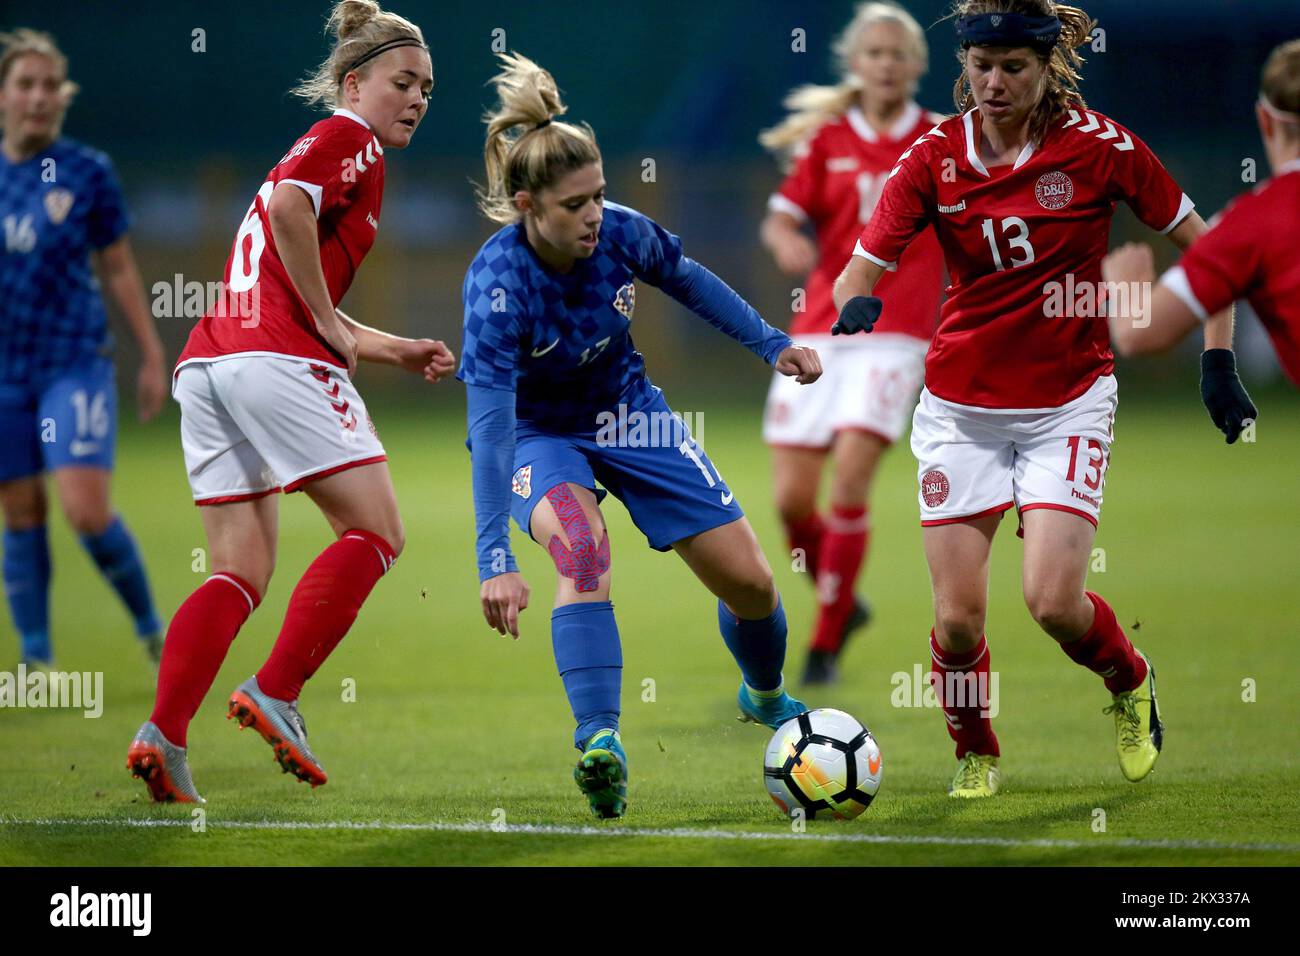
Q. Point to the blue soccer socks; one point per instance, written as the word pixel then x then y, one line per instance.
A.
pixel 590 660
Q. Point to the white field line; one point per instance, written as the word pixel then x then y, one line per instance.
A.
pixel 679 833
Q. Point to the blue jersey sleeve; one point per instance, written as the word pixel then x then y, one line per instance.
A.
pixel 658 259
pixel 108 220
pixel 493 316
pixel 492 451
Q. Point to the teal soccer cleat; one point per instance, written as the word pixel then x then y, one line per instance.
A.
pixel 601 774
pixel 771 708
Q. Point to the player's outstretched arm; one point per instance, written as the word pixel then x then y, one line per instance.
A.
pixel 119 274
pixel 427 357
pixel 1218 327
pixel 503 591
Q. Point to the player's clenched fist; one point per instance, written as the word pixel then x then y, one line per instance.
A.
pixel 503 597
pixel 427 357
pixel 858 315
pixel 801 362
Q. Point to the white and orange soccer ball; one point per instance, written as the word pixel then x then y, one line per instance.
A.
pixel 822 762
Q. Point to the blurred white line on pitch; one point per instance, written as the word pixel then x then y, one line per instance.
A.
pixel 677 833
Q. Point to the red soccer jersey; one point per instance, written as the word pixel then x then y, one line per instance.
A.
pixel 1250 252
pixel 340 165
pixel 835 184
pixel 1023 244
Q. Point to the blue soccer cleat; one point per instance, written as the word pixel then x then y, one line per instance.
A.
pixel 771 708
pixel 601 774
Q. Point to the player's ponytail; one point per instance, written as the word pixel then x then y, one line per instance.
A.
pixel 23 42
pixel 1279 87
pixel 358 26
pixel 812 106
pixel 525 149
pixel 1063 63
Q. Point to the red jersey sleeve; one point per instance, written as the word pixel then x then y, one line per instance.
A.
pixel 905 208
pixel 1141 180
pixel 800 194
pixel 1223 265
pixel 328 166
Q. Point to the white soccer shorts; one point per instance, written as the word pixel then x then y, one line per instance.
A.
pixel 252 425
pixel 973 461
pixel 869 383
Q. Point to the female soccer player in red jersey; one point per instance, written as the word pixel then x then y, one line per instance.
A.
pixel 1019 400
pixel 1249 252
pixel 267 404
pixel 845 139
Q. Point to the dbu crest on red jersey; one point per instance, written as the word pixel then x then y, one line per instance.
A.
pixel 522 482
pixel 934 488
pixel 625 300
pixel 1054 190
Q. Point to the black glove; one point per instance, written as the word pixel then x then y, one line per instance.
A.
pixel 858 315
pixel 1224 396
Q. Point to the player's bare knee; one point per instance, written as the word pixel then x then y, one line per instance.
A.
pixel 751 594
pixel 960 627
pixel 24 504
pixel 1056 613
pixel 794 508
pixel 581 552
pixel 87 519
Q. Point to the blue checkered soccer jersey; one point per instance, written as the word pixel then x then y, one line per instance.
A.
pixel 563 342
pixel 556 350
pixel 57 392
pixel 56 208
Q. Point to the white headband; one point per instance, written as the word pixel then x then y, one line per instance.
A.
pixel 1278 114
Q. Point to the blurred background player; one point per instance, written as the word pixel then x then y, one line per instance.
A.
pixel 845 139
pixel 548 360
pixel 62 210
pixel 1249 252
pixel 268 405
pixel 1019 403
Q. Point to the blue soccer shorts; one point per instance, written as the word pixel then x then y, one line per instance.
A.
pixel 654 466
pixel 70 419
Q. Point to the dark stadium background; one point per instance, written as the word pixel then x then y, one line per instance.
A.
pixel 686 84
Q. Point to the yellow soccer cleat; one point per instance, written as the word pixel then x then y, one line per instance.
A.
pixel 1138 730
pixel 977 776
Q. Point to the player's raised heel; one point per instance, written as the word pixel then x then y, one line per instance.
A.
pixel 1139 734
pixel 769 708
pixel 281 726
pixel 601 774
pixel 977 776
pixel 162 766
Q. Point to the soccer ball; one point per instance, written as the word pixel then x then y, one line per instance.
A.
pixel 825 762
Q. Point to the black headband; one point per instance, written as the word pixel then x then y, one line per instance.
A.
pixel 384 48
pixel 545 122
pixel 1009 29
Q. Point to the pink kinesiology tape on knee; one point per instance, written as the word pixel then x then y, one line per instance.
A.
pixel 583 560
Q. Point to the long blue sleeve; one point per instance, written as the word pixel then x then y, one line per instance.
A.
pixel 695 287
pixel 656 256
pixel 491 445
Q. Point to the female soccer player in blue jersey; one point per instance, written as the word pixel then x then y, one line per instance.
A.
pixel 549 365
pixel 62 209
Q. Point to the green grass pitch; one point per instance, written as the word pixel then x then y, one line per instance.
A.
pixel 455 729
